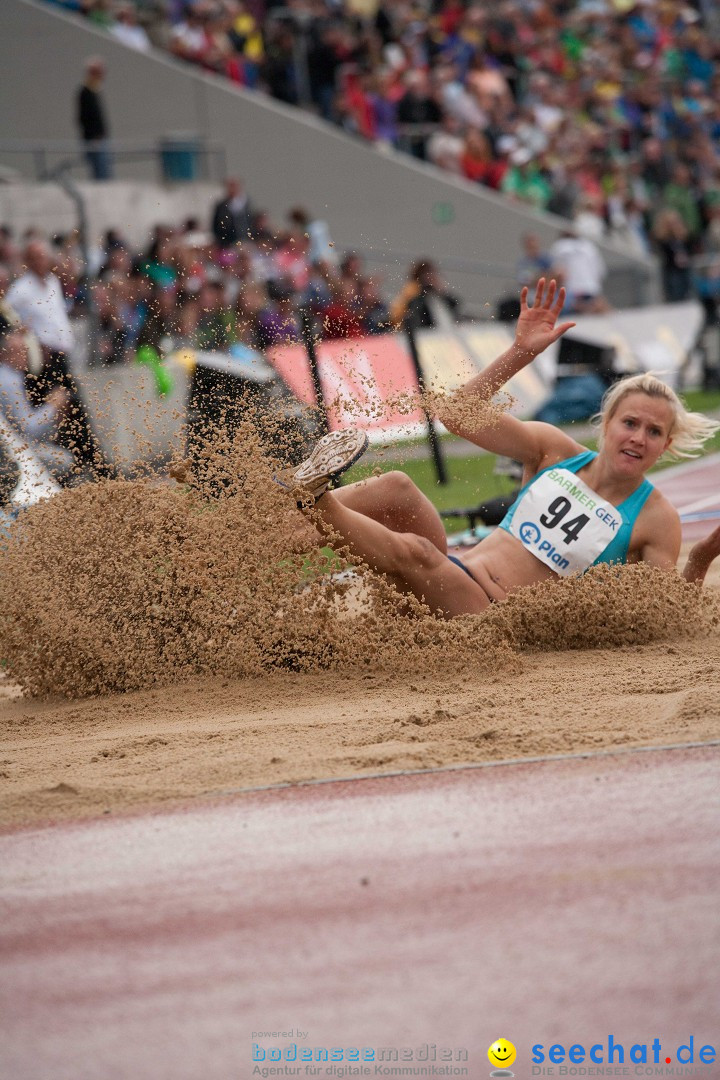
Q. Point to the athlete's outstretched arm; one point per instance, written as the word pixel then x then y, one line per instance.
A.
pixel 536 330
pixel 701 556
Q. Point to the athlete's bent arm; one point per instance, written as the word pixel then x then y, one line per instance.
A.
pixel 526 441
pixel 701 556
pixel 664 547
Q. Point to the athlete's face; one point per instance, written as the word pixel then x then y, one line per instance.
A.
pixel 638 432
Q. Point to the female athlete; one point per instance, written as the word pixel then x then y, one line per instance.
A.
pixel 577 507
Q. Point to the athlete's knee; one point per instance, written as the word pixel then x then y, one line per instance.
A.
pixel 395 486
pixel 419 552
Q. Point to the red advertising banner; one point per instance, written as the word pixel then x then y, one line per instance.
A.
pixel 364 381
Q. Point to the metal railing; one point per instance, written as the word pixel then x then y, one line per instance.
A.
pixel 177 158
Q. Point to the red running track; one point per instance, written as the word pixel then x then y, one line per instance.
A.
pixel 555 901
pixel 694 490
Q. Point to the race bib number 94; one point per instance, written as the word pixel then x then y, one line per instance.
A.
pixel 564 523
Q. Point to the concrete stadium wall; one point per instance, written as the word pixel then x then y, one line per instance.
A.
pixel 384 204
pixel 132 206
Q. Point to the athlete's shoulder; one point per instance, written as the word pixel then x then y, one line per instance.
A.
pixel 556 446
pixel 658 518
pixel 659 508
pixel 658 533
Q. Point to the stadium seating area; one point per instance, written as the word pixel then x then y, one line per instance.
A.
pixel 606 111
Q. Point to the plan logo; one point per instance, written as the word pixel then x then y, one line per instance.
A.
pixel 529 533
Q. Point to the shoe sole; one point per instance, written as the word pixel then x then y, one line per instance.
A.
pixel 332 456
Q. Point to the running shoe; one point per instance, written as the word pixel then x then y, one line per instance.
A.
pixel 331 457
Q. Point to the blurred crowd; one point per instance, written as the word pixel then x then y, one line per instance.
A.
pixel 242 281
pixel 240 284
pixel 604 111
pixel 230 284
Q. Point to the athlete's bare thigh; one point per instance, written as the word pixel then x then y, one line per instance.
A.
pixel 438 582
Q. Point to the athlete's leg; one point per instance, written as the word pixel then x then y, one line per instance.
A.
pixel 413 563
pixel 395 501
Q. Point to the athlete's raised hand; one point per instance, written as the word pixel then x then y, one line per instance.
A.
pixel 536 327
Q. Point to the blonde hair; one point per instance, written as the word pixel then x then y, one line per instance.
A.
pixel 689 430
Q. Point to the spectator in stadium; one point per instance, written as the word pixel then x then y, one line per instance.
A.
pixel 277 322
pixel 232 220
pixel 417 114
pixel 128 30
pixel 247 310
pixel 371 308
pixel 672 240
pixel 116 257
pixel 478 161
pixel 160 326
pixel 292 259
pixel 421 297
pixel 9 318
pixel 238 274
pixel 317 294
pixel 38 426
pixel 110 338
pixel 92 121
pixel 321 247
pixel 160 265
pixel 187 39
pixel 37 297
pixel 187 319
pixel 214 329
pixel 533 264
pixel 277 71
pixel 578 265
pixel 525 180
pixel 682 195
pixel 326 53
pixel 446 146
pixel 382 98
pixel 246 37
pixel 352 267
pixel 340 317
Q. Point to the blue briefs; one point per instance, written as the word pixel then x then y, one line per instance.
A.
pixel 462 565
pixel 454 559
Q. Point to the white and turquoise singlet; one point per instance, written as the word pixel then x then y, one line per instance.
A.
pixel 566 525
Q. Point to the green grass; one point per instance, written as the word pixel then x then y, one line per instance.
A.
pixel 471 478
pixel 706 401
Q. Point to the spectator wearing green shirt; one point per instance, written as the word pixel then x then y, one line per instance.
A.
pixel 680 194
pixel 526 182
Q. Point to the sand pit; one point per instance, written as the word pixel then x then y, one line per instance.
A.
pixel 116 753
pixel 162 645
pixel 149 748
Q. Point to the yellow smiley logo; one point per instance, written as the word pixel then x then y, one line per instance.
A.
pixel 501 1053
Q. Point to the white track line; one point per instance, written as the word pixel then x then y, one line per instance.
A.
pixel 581 755
pixel 707 515
pixel 700 504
